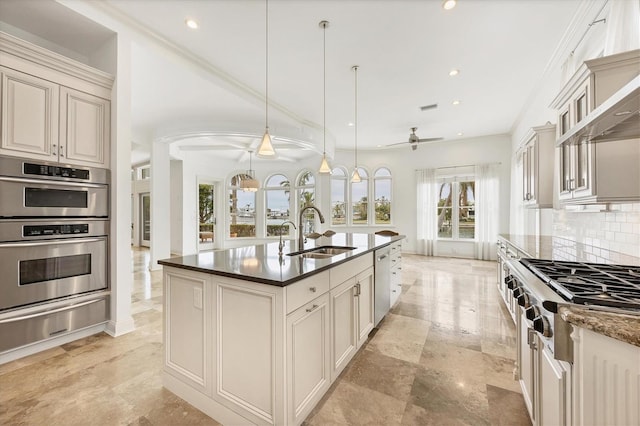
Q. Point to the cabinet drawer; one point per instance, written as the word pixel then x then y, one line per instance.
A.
pixel 306 290
pixel 351 268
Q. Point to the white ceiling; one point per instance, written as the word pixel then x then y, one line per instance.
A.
pixel 210 90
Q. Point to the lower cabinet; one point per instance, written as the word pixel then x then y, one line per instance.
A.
pixel 606 380
pixel 308 357
pixel 248 353
pixel 395 286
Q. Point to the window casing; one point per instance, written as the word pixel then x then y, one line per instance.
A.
pixel 382 185
pixel 242 209
pixel 277 190
pixel 456 209
pixel 338 197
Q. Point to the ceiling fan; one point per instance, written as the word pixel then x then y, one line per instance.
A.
pixel 414 140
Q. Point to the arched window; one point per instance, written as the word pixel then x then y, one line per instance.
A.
pixel 277 198
pixel 242 209
pixel 360 199
pixel 382 196
pixel 306 194
pixel 338 197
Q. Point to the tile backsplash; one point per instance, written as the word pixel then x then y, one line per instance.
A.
pixel 617 229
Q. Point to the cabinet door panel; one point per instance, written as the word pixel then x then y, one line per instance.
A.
pixel 308 357
pixel 343 325
pixel 551 390
pixel 366 305
pixel 29 116
pixel 85 128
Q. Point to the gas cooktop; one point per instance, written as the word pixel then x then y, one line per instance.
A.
pixel 590 283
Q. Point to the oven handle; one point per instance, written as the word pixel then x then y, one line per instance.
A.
pixel 52 311
pixel 50 242
pixel 50 182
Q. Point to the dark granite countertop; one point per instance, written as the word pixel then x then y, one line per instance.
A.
pixel 625 328
pixel 261 263
pixel 556 248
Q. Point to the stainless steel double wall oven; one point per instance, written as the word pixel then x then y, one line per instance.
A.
pixel 54 237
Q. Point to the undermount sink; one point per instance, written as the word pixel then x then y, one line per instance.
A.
pixel 322 252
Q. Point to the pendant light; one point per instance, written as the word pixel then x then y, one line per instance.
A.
pixel 249 184
pixel 324 165
pixel 355 177
pixel 266 148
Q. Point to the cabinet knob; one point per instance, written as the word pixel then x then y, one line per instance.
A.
pixel 312 289
pixel 61 151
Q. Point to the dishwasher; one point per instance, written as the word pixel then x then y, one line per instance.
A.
pixel 382 283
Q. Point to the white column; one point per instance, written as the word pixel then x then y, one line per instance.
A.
pixel 120 239
pixel 160 204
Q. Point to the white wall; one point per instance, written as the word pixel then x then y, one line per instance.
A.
pixel 176 209
pixel 401 162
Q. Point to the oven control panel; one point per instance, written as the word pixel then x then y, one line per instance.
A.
pixel 66 229
pixel 45 170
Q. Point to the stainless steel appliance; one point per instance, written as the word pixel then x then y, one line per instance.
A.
pixel 382 283
pixel 54 237
pixel 38 189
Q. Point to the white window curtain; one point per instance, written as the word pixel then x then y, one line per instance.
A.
pixel 487 210
pixel 426 212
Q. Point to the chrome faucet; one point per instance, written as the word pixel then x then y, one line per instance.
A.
pixel 300 231
pixel 281 244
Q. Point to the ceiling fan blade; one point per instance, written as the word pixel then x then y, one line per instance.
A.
pixel 399 143
pixel 429 139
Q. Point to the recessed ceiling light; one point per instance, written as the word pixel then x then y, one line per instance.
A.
pixel 448 4
pixel 378 146
pixel 460 133
pixel 350 124
pixel 456 102
pixel 454 72
pixel 191 24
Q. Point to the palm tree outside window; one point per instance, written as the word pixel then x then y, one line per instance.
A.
pixel 277 196
pixel 338 196
pixel 456 210
pixel 242 209
pixel 382 196
pixel 305 193
pixel 360 199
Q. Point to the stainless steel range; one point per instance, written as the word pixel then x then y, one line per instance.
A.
pixel 54 237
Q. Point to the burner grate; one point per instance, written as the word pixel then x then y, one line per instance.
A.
pixel 590 283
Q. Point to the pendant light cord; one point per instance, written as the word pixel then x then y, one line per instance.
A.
pixel 355 70
pixel 324 88
pixel 266 70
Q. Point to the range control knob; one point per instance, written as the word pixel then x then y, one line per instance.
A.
pixel 517 292
pixel 524 300
pixel 511 282
pixel 542 326
pixel 532 312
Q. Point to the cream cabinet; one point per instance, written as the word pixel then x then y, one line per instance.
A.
pixel 29 120
pixel 396 272
pixel 53 108
pixel 250 353
pixel 537 162
pixel 84 133
pixel 308 357
pixel 606 380
pixel 602 172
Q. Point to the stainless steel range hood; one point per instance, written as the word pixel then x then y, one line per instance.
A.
pixel 615 119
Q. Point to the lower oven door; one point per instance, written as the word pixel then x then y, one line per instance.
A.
pixel 37 271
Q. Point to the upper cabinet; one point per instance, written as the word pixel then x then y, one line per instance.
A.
pixel 537 157
pixel 53 108
pixel 597 155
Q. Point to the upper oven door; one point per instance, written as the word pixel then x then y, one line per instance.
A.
pixel 24 198
pixel 37 271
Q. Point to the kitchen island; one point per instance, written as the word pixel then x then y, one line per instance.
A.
pixel 252 337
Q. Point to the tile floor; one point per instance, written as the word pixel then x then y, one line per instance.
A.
pixel 442 356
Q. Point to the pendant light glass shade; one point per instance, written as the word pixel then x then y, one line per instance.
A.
pixel 266 148
pixel 249 184
pixel 355 176
pixel 324 165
